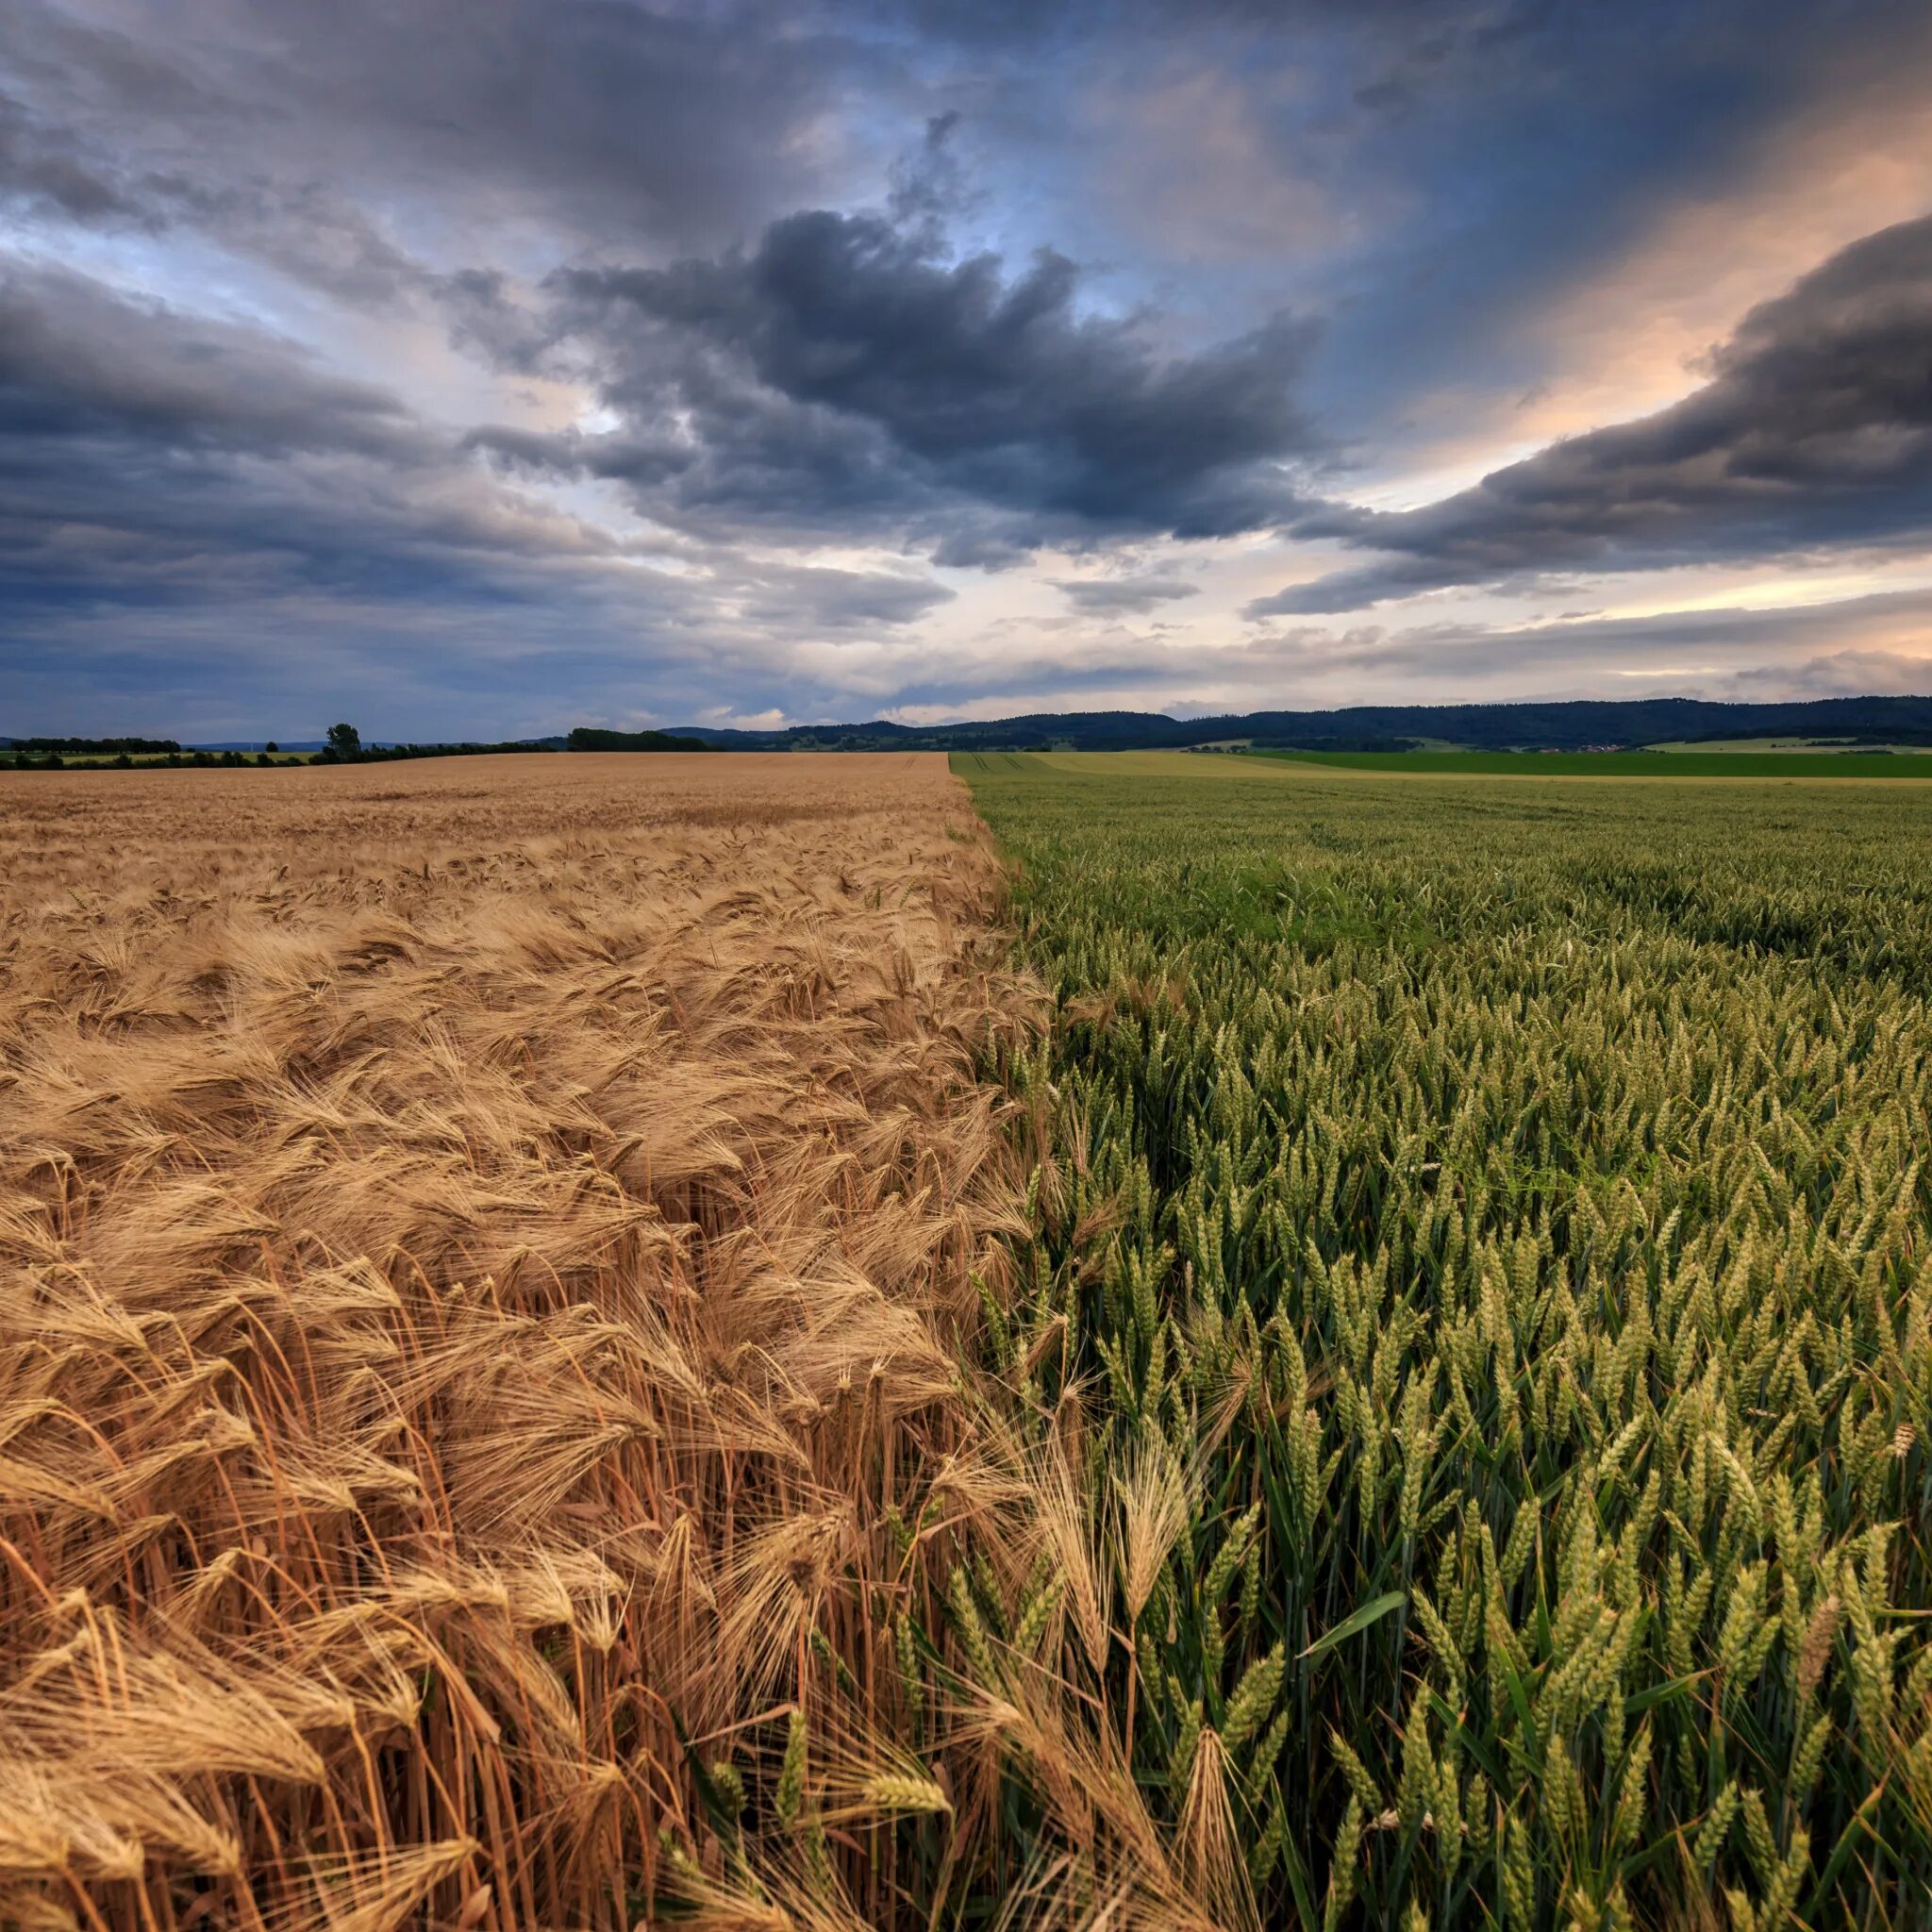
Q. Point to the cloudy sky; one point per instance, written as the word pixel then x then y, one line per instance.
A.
pixel 483 367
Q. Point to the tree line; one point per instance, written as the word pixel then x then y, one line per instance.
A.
pixel 342 745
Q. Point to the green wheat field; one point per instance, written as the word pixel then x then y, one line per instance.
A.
pixel 1488 1224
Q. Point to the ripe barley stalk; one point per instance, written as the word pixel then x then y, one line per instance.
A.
pixel 490 1272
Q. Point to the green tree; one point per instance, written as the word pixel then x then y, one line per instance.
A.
pixel 271 745
pixel 345 741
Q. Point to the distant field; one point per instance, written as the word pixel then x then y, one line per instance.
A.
pixel 1765 744
pixel 1625 764
pixel 1290 768
pixel 1211 767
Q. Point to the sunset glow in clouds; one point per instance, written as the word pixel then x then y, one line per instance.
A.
pixel 486 369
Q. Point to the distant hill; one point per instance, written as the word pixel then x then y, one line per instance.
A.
pixel 1581 724
pixel 1568 726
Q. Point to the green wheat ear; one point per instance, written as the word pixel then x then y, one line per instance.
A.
pixel 789 1800
pixel 1515 1225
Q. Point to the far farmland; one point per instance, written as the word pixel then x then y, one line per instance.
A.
pixel 1651 763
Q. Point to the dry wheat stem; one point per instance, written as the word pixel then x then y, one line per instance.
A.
pixel 487 1251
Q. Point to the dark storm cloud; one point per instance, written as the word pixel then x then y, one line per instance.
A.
pixel 507 212
pixel 844 361
pixel 600 120
pixel 1814 429
pixel 586 127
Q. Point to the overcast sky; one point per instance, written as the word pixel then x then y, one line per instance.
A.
pixel 482 368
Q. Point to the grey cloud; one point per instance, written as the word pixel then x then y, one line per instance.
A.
pixel 844 361
pixel 1602 648
pixel 1815 429
pixel 600 120
pixel 811 601
pixel 311 233
pixel 484 314
pixel 185 498
pixel 782 381
pixel 1419 62
pixel 41 172
pixel 928 185
pixel 1832 675
pixel 1124 597
pixel 149 459
pixel 77 360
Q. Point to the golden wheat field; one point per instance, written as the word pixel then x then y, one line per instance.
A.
pixel 483 1252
